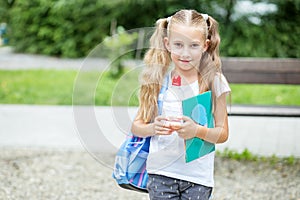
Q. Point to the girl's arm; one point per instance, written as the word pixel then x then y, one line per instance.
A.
pixel 218 134
pixel 142 129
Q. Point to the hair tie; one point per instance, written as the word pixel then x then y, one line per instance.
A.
pixel 205 16
pixel 169 19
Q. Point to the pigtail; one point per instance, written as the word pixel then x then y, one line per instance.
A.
pixel 206 74
pixel 157 61
pixel 210 63
pixel 214 37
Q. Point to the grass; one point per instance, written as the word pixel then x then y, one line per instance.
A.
pixel 246 155
pixel 36 87
pixel 64 87
pixel 61 87
pixel 265 94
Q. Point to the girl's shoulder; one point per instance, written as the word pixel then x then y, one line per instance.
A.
pixel 221 84
pixel 219 77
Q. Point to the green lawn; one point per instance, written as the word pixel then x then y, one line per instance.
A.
pixel 265 94
pixel 59 87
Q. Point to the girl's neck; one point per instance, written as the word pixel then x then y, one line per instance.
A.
pixel 187 77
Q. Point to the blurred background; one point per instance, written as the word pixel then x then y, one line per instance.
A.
pixel 248 28
pixel 72 29
pixel 67 53
pixel 56 99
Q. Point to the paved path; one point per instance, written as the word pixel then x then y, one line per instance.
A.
pixel 104 128
pixel 16 61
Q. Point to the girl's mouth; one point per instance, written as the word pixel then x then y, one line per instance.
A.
pixel 185 61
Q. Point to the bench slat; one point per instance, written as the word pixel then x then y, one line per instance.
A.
pixel 262 70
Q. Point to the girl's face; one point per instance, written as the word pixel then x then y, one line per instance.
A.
pixel 186 45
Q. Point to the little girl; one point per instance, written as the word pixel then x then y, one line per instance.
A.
pixel 190 41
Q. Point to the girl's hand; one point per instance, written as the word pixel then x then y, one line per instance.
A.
pixel 161 127
pixel 188 129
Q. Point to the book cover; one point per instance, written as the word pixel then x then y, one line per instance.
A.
pixel 198 108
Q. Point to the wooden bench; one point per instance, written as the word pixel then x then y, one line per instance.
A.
pixel 262 71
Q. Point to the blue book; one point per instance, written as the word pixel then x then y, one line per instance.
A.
pixel 198 108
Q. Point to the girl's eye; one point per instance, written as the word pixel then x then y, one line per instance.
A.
pixel 177 44
pixel 195 46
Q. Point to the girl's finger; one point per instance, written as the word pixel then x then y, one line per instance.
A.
pixel 185 118
pixel 164 132
pixel 164 123
pixel 160 118
pixel 161 128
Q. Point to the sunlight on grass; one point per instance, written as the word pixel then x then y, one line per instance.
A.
pixel 265 94
pixel 55 87
pixel 36 87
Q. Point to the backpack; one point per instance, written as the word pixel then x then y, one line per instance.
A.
pixel 130 162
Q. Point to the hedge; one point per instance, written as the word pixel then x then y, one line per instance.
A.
pixel 58 27
pixel 71 28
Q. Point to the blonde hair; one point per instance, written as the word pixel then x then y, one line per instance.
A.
pixel 157 60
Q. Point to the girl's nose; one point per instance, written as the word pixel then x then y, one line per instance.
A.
pixel 186 52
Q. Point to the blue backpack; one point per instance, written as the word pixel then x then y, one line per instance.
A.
pixel 130 162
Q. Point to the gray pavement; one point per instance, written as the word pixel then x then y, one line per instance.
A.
pixel 17 61
pixel 104 128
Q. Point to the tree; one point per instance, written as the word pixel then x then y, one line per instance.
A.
pixel 117 48
pixel 72 28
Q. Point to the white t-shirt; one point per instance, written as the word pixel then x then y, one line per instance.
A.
pixel 167 153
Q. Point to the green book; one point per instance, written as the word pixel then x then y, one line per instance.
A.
pixel 198 108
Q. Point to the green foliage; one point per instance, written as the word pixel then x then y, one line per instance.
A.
pixel 118 48
pixel 291 160
pixel 246 155
pixel 73 28
pixel 274 35
pixel 58 27
pixel 5 5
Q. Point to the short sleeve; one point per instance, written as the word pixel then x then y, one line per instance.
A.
pixel 221 85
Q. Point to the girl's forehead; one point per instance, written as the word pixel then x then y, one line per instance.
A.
pixel 188 32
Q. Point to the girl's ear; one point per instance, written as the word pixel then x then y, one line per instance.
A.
pixel 206 44
pixel 167 44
